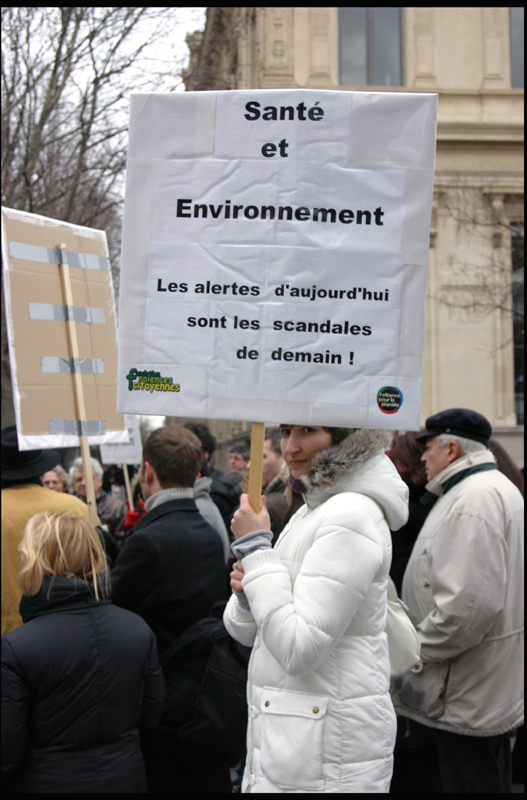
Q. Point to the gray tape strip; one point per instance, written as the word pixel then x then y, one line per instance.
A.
pixel 48 255
pixel 85 261
pixel 48 311
pixel 86 366
pixel 77 427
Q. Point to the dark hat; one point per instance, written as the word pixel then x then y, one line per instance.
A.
pixel 24 463
pixel 459 422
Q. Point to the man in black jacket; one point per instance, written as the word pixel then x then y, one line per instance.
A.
pixel 222 491
pixel 171 572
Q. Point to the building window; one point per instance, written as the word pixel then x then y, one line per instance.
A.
pixel 517 37
pixel 518 306
pixel 371 46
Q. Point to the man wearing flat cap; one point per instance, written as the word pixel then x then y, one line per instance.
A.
pixel 23 496
pixel 464 588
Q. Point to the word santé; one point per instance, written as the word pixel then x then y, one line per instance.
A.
pixel 286 112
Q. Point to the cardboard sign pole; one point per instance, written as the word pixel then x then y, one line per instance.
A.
pixel 77 384
pixel 128 487
pixel 255 474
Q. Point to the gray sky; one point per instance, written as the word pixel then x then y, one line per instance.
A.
pixel 174 53
pixel 192 19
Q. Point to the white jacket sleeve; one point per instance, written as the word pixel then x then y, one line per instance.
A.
pixel 239 622
pixel 467 575
pixel 300 626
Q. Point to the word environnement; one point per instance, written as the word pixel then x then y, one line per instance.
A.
pixel 301 214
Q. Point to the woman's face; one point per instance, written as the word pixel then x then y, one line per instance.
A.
pixel 300 444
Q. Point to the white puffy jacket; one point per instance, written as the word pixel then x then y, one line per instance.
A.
pixel 464 588
pixel 320 714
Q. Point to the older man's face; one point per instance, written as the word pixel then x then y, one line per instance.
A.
pixel 435 458
pixel 79 484
pixel 52 481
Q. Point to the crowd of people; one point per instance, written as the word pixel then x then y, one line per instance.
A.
pixel 193 644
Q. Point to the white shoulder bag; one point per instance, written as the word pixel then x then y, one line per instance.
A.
pixel 403 639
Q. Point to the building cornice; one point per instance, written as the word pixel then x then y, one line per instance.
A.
pixel 480 133
pixel 487 182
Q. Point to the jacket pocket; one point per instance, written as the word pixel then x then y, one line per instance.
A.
pixel 425 691
pixel 291 743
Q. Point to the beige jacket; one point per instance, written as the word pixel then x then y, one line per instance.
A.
pixel 464 589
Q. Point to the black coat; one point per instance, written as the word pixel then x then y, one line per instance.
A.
pixel 224 495
pixel 403 540
pixel 171 570
pixel 78 681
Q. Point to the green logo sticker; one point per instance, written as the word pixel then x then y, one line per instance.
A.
pixel 149 381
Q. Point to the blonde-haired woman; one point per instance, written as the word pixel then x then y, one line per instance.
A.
pixel 80 677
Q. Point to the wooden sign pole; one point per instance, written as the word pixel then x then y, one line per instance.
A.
pixel 255 473
pixel 128 487
pixel 77 384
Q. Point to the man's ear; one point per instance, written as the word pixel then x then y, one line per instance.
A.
pixel 149 472
pixel 454 451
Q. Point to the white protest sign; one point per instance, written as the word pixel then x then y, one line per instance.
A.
pixel 274 265
pixel 129 453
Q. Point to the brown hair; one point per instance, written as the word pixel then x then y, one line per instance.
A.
pixel 62 546
pixel 506 465
pixel 297 501
pixel 175 454
pixel 204 434
pixel 339 434
pixel 406 454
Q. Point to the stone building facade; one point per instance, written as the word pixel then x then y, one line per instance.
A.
pixel 471 58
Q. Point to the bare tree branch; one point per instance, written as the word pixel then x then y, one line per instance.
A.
pixel 67 73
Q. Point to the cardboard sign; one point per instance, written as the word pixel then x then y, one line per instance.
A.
pixel 42 367
pixel 275 255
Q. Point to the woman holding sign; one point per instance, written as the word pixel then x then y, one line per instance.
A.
pixel 314 610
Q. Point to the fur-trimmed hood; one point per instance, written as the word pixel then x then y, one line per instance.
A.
pixel 358 464
pixel 345 458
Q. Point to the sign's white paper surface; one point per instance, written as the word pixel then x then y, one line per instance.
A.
pixel 278 270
